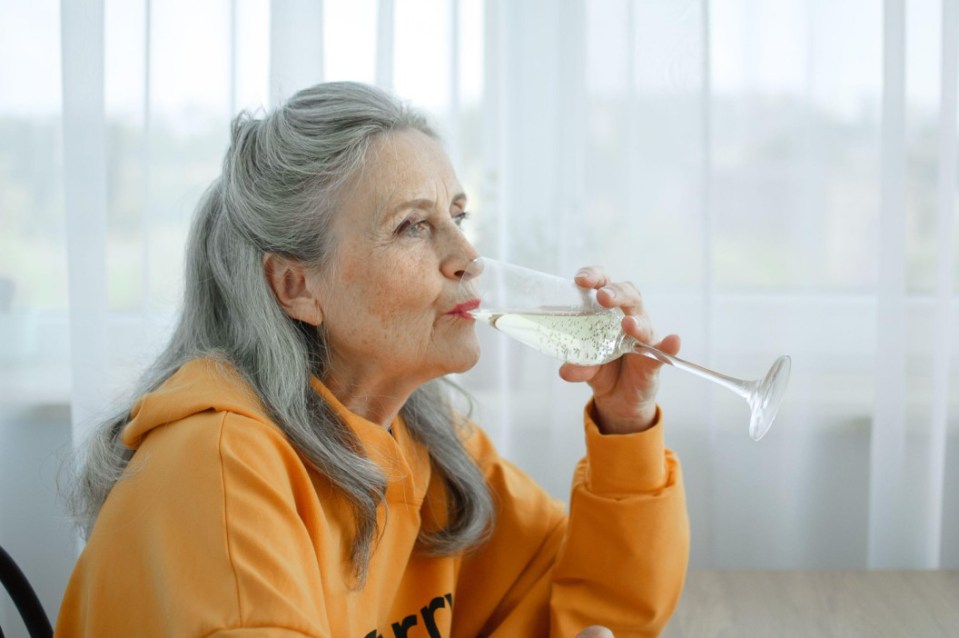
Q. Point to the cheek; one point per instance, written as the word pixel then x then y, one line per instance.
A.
pixel 376 294
pixel 386 301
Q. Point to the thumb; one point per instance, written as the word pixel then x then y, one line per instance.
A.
pixel 595 631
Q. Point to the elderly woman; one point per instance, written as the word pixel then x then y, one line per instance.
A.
pixel 292 466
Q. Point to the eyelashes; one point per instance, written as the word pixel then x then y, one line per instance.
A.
pixel 414 227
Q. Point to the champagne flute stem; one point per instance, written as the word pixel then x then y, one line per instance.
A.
pixel 743 388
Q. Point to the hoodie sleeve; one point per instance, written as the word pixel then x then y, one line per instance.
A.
pixel 618 559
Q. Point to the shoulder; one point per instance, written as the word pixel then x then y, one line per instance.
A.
pixel 212 507
pixel 207 476
pixel 217 443
pixel 205 412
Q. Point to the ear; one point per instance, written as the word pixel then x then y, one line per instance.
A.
pixel 294 288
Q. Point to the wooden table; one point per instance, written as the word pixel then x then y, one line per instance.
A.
pixel 845 604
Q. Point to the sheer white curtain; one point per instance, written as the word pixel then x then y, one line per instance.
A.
pixel 776 179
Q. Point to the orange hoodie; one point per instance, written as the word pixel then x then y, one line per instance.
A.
pixel 219 528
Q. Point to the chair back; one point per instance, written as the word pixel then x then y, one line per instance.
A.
pixel 24 598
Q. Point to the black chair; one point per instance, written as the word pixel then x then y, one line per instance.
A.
pixel 17 585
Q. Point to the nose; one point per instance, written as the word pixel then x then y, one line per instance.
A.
pixel 473 270
pixel 460 255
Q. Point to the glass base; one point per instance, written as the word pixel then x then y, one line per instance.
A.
pixel 768 396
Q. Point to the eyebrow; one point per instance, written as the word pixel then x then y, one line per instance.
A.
pixel 421 202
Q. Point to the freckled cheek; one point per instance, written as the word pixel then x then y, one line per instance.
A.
pixel 396 309
pixel 387 307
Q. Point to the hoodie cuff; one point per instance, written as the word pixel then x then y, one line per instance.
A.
pixel 624 464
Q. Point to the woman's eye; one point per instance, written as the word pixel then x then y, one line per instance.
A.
pixel 459 218
pixel 411 228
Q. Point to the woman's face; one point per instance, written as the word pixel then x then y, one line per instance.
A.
pixel 389 297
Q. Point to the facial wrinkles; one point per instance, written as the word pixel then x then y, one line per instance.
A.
pixel 430 177
pixel 408 320
pixel 382 298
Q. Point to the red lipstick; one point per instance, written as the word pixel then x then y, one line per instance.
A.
pixel 462 310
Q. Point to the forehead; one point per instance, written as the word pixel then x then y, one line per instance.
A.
pixel 399 167
pixel 406 164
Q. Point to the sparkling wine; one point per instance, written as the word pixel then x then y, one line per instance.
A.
pixel 563 320
pixel 583 339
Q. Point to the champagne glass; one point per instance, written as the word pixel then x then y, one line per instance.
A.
pixel 559 318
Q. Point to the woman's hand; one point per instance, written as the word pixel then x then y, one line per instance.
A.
pixel 595 631
pixel 624 390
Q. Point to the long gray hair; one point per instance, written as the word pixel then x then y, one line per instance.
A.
pixel 277 194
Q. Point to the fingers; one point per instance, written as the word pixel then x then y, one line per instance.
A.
pixel 670 344
pixel 639 327
pixel 595 631
pixel 591 277
pixel 621 295
pixel 577 374
pixel 626 296
pixel 610 295
pixel 581 374
pixel 642 330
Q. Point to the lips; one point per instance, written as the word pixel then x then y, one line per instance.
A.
pixel 463 309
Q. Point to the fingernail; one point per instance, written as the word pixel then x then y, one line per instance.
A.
pixel 582 273
pixel 609 291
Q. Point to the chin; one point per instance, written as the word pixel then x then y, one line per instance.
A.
pixel 467 365
pixel 464 359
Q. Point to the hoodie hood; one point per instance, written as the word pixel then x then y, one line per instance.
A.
pixel 198 386
pixel 212 385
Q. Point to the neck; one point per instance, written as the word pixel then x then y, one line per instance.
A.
pixel 377 400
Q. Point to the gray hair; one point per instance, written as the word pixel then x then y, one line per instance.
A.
pixel 277 194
